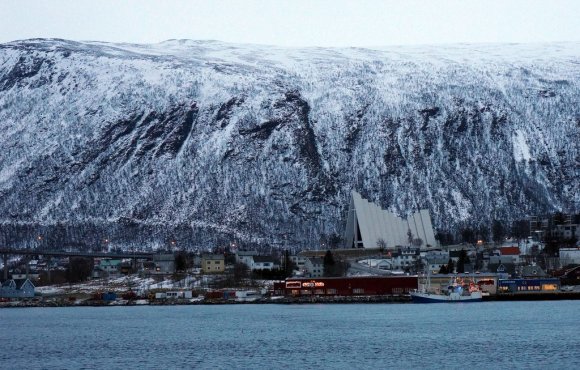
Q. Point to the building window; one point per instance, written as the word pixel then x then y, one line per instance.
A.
pixel 217 262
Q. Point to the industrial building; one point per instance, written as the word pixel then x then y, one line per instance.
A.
pixel 528 285
pixel 346 286
pixel 370 226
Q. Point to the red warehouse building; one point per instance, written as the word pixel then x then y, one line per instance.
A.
pixel 346 286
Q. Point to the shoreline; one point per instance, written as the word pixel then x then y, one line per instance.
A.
pixel 206 302
pixel 401 299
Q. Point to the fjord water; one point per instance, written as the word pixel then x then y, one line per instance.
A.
pixel 349 336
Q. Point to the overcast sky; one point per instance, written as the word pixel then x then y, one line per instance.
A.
pixel 296 22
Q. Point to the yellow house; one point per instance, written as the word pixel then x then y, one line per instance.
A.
pixel 212 263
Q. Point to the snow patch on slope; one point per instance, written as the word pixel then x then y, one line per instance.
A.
pixel 521 148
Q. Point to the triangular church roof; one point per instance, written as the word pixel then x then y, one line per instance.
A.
pixel 370 226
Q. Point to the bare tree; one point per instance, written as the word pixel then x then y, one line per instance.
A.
pixel 381 244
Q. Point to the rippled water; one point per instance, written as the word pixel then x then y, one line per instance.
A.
pixel 351 336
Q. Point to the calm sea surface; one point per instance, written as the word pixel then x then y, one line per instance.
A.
pixel 491 335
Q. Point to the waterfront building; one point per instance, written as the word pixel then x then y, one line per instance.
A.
pixel 17 288
pixel 180 294
pixel 346 286
pixel 528 285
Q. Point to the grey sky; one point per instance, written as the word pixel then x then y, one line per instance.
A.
pixel 296 22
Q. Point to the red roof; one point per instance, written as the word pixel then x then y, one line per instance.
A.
pixel 510 251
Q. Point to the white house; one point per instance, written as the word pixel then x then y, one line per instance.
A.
pixel 246 257
pixel 264 263
pixel 436 259
pixel 381 264
pixel 569 256
pixel 107 267
pixel 299 261
pixel 314 267
pixel 511 251
pixel 405 258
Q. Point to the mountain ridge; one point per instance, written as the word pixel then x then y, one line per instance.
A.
pixel 213 142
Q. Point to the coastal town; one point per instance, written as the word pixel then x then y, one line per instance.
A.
pixel 542 265
pixel 375 184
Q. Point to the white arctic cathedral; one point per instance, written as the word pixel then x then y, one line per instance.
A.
pixel 370 226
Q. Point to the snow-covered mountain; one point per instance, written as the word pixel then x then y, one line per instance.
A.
pixel 205 142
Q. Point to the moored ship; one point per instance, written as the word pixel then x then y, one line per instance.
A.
pixel 456 292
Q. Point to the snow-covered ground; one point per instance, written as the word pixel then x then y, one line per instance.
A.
pixel 121 284
pixel 140 286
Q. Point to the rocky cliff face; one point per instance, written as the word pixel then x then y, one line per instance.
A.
pixel 204 143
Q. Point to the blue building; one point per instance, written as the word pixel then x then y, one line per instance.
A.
pixel 528 285
pixel 17 288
